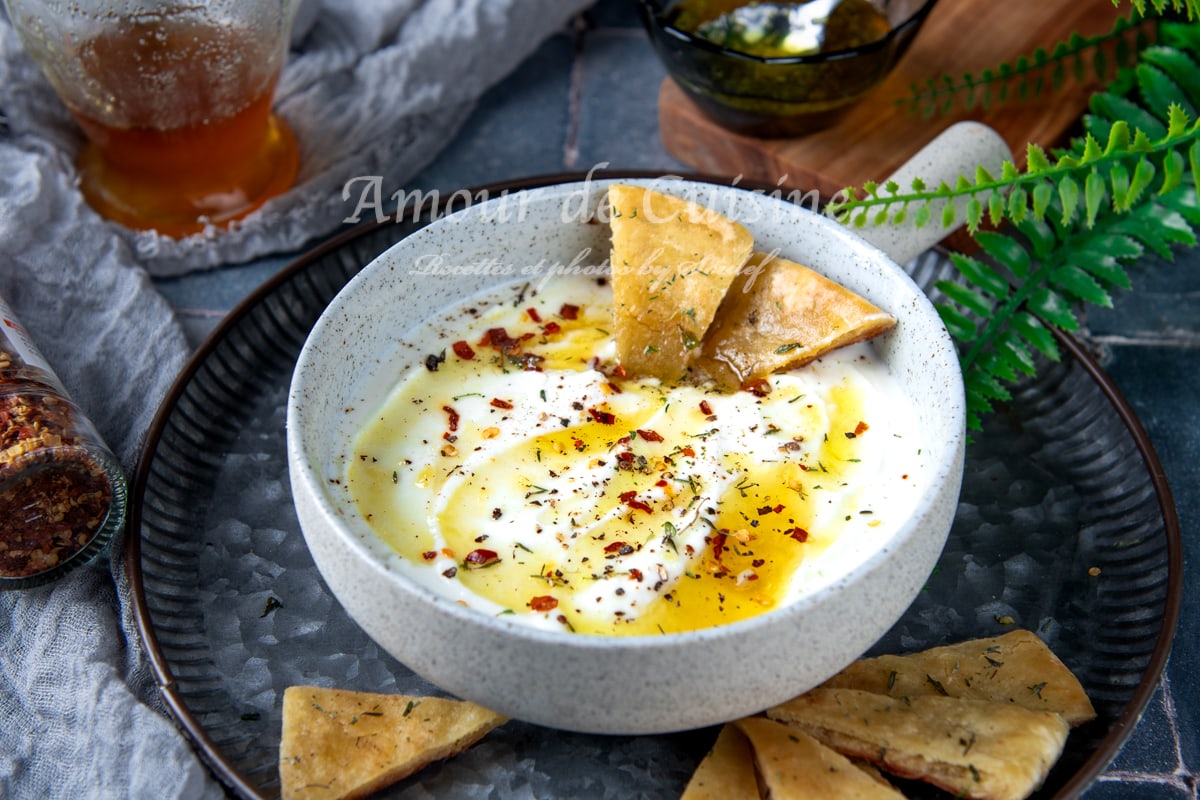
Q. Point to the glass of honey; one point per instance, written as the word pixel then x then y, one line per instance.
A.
pixel 778 69
pixel 174 99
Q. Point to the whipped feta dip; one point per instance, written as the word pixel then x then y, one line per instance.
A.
pixel 519 471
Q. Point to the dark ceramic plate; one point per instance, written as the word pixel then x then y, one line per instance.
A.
pixel 1065 526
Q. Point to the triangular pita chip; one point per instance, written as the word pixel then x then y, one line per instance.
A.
pixel 779 315
pixel 795 766
pixel 1016 668
pixel 726 771
pixel 971 748
pixel 672 261
pixel 344 744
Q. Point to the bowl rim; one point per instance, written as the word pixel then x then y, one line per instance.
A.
pixel 307 475
pixel 652 13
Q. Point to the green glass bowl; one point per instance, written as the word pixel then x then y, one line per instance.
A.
pixel 778 96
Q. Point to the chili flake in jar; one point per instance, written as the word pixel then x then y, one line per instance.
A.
pixel 62 494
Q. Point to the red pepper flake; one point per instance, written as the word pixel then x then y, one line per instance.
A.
pixel 498 403
pixel 453 417
pixel 477 559
pixel 499 339
pixel 614 388
pixel 718 545
pixel 533 314
pixel 705 408
pixel 543 602
pixel 778 509
pixel 630 499
pixel 861 428
pixel 760 387
pixel 579 445
pixel 687 451
pixel 551 327
pixel 615 547
pixel 799 534
pixel 429 555
pixel 603 417
pixel 619 371
pixel 650 436
pixel 463 350
pixel 636 574
pixel 661 482
pixel 569 311
pixel 625 456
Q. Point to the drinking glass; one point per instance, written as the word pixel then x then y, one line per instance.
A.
pixel 174 99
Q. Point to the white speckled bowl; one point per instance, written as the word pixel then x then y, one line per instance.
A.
pixel 625 685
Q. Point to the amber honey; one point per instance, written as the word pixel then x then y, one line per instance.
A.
pixel 179 125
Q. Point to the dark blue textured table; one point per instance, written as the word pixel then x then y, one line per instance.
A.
pixel 588 97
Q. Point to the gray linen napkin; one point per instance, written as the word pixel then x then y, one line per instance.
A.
pixel 372 88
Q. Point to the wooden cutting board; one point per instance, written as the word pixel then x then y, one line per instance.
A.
pixel 876 136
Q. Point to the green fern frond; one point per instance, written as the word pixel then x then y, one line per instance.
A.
pixel 1066 227
pixel 1031 75
pixel 1006 302
pixel 1118 172
pixel 1190 7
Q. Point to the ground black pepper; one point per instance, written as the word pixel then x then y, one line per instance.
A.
pixel 61 491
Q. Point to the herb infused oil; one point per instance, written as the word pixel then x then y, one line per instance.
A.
pixel 782 30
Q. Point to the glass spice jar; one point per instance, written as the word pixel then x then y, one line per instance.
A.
pixel 62 492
